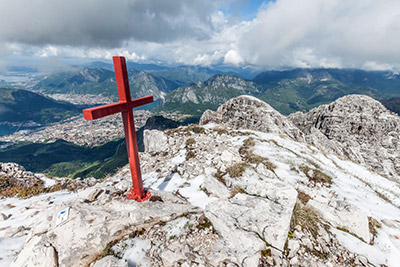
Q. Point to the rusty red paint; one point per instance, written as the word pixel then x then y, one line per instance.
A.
pixel 125 106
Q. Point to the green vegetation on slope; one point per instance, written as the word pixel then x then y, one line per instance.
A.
pixel 63 158
pixel 392 104
pixel 196 98
pixel 302 89
pixel 18 105
pixel 286 91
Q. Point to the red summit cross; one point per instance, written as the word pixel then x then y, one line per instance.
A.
pixel 125 106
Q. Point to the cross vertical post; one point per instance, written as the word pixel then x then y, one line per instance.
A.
pixel 125 106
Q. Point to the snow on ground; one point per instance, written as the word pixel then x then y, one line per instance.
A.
pixel 136 253
pixel 351 182
pixel 24 213
pixel 47 181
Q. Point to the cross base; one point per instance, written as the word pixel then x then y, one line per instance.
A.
pixel 133 196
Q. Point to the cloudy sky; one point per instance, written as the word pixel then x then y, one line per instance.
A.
pixel 268 34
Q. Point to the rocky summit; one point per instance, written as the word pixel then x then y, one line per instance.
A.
pixel 247 187
pixel 359 128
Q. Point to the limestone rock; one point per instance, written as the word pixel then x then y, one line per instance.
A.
pixel 345 215
pixel 243 219
pixel 215 187
pixel 90 228
pixel 248 112
pixel 357 127
pixel 110 261
pixel 155 141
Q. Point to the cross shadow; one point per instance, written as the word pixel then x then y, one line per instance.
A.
pixel 166 181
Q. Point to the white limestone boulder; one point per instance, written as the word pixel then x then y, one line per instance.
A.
pixel 247 222
pixel 344 215
pixel 91 226
pixel 155 141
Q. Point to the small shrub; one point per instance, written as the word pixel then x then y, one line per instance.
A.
pixel 190 154
pixel 237 169
pixel 196 129
pixel 190 141
pixel 204 223
pixel 266 252
pixel 205 190
pixel 290 234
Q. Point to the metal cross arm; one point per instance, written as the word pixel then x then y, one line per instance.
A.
pixel 105 110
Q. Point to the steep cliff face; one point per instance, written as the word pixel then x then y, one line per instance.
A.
pixel 358 127
pixel 195 98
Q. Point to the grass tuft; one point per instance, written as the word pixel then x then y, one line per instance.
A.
pixel 220 130
pixel 10 187
pixel 236 190
pixel 373 225
pixel 303 197
pixel 237 169
pixel 249 157
pixel 220 176
pixel 306 217
pixel 190 141
pixel 316 176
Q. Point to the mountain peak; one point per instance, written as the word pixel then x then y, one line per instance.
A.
pixel 252 113
pixel 357 127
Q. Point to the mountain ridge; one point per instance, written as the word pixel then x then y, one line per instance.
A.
pixel 230 191
pixel 302 89
pixel 17 105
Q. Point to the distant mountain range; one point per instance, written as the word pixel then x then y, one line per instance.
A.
pixel 191 90
pixel 286 91
pixel 18 105
pixel 102 81
pixel 196 98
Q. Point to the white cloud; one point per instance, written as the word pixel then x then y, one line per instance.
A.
pixel 284 33
pixel 103 22
pixel 233 57
pixel 329 33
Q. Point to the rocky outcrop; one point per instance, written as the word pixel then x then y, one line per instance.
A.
pixel 357 127
pixel 248 112
pixel 18 173
pixel 90 228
